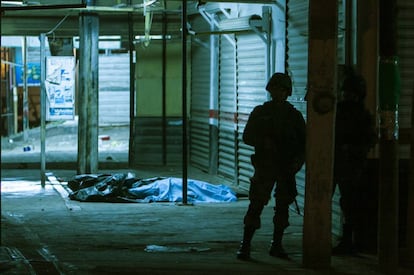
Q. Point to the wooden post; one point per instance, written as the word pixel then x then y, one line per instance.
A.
pixel 322 67
pixel 88 93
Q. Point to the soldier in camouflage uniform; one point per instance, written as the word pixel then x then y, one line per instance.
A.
pixel 278 132
pixel 355 135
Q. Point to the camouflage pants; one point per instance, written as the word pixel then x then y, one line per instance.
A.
pixel 262 184
pixel 347 176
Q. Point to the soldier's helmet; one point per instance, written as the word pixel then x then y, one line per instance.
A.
pixel 278 81
pixel 354 84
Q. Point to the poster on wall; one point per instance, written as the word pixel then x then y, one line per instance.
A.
pixel 60 88
pixel 33 75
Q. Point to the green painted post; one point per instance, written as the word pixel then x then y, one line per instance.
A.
pixel 389 93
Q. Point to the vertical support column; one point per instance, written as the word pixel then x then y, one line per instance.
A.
pixel 88 93
pixel 235 108
pixel 214 102
pixel 15 123
pixel 184 96
pixel 132 60
pixel 388 165
pixel 10 94
pixel 164 88
pixel 267 22
pixel 389 91
pixel 25 92
pixel 43 109
pixel 320 133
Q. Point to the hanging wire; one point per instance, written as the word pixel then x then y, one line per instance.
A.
pixel 58 24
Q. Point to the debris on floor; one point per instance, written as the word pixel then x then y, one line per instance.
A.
pixel 161 248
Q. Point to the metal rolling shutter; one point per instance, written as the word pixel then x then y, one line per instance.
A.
pixel 200 99
pixel 227 107
pixel 297 66
pixel 406 55
pixel 251 80
pixel 336 208
pixel 114 89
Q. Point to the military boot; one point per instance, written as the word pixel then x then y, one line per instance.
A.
pixel 346 244
pixel 244 250
pixel 276 248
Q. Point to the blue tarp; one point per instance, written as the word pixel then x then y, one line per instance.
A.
pixel 126 188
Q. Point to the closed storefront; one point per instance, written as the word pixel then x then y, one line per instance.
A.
pixel 114 89
pixel 251 82
pixel 227 107
pixel 200 97
pixel 242 78
pixel 243 67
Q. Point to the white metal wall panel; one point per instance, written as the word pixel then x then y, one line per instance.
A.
pixel 227 108
pixel 200 99
pixel 406 55
pixel 251 82
pixel 297 50
pixel 336 209
pixel 297 66
pixel 114 89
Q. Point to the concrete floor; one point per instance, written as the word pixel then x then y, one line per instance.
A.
pixel 44 232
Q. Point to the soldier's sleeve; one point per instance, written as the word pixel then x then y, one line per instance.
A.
pixel 250 131
pixel 300 127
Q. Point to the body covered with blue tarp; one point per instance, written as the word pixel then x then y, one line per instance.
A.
pixel 125 187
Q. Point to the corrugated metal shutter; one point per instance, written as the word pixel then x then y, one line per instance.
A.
pixel 227 107
pixel 251 80
pixel 114 89
pixel 341 31
pixel 148 140
pixel 406 55
pixel 297 66
pixel 336 208
pixel 200 99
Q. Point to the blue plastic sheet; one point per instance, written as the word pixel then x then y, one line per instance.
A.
pixel 170 189
pixel 127 188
